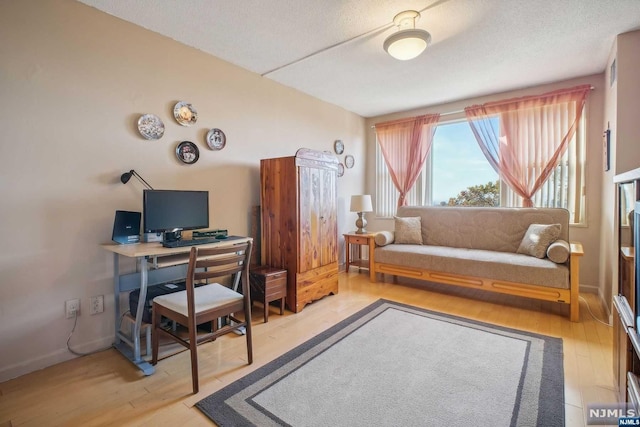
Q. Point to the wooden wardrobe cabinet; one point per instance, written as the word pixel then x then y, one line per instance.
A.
pixel 299 223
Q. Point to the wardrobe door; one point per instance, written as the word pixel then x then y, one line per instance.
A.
pixel 310 217
pixel 328 217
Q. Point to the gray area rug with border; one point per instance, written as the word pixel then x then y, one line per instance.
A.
pixel 392 364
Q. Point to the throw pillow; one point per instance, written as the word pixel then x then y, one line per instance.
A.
pixel 384 238
pixel 559 251
pixel 408 230
pixel 538 238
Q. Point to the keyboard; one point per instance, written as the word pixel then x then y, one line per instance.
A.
pixel 190 242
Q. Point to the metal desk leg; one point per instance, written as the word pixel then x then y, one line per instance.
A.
pixel 133 354
pixel 116 294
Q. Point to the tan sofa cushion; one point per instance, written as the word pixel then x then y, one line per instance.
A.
pixel 408 230
pixel 538 238
pixel 495 229
pixel 495 265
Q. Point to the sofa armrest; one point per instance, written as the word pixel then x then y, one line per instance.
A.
pixel 574 262
pixel 576 249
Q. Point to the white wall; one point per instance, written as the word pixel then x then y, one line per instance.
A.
pixel 73 82
pixel 588 235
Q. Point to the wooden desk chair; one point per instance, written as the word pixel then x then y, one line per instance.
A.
pixel 206 303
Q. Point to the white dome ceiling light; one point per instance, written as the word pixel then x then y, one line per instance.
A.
pixel 408 42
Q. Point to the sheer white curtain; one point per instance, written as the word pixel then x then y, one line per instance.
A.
pixel 533 137
pixel 405 145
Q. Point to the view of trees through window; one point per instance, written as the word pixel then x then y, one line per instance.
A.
pixel 457 173
pixel 461 174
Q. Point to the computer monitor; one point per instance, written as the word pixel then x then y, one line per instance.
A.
pixel 171 211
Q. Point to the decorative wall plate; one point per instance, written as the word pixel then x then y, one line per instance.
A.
pixel 340 169
pixel 338 146
pixel 216 139
pixel 150 126
pixel 349 161
pixel 187 152
pixel 185 114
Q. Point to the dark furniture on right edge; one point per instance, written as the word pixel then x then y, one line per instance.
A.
pixel 626 346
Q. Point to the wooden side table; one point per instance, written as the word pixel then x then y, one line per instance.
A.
pixel 353 238
pixel 268 284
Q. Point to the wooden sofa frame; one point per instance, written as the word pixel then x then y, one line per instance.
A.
pixel 566 296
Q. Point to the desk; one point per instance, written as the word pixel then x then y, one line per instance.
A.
pixel 354 238
pixel 167 264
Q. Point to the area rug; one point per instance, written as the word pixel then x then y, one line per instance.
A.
pixel 391 364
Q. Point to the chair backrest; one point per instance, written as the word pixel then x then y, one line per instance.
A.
pixel 208 263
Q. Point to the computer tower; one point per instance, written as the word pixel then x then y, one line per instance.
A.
pixel 152 292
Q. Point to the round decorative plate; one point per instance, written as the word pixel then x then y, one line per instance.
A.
pixel 338 146
pixel 349 161
pixel 340 169
pixel 187 152
pixel 150 126
pixel 185 114
pixel 216 139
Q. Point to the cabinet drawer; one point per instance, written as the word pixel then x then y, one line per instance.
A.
pixel 359 240
pixel 268 281
pixel 274 285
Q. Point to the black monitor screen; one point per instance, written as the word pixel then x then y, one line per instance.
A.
pixel 168 210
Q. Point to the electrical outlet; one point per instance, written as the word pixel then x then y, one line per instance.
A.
pixel 96 304
pixel 72 308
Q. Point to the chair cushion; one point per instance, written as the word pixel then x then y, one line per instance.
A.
pixel 206 297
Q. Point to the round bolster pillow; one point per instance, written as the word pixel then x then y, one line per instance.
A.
pixel 384 238
pixel 559 251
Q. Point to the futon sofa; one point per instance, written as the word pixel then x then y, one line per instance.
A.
pixel 516 251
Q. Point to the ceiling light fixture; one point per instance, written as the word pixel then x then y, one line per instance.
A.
pixel 408 42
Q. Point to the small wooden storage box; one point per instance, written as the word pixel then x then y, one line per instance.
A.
pixel 268 284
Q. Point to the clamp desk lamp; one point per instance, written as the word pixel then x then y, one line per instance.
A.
pixel 125 177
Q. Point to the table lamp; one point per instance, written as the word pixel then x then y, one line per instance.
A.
pixel 361 204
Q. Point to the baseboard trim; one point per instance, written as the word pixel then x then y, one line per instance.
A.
pixel 603 303
pixel 62 355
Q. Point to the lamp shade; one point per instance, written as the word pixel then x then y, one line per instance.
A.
pixel 407 44
pixel 361 203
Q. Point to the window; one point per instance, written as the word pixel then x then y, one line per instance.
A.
pixel 457 172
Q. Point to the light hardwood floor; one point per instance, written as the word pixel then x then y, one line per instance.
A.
pixel 105 389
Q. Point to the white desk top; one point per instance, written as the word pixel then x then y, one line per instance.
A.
pixel 136 250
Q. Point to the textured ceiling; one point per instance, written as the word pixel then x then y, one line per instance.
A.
pixel 478 47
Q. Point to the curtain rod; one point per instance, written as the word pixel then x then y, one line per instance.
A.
pixel 442 114
pixel 455 112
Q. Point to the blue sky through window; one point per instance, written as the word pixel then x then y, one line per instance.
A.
pixel 458 162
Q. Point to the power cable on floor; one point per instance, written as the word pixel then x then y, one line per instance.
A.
pixel 77 353
pixel 591 312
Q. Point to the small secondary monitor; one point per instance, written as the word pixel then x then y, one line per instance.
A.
pixel 126 227
pixel 175 210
